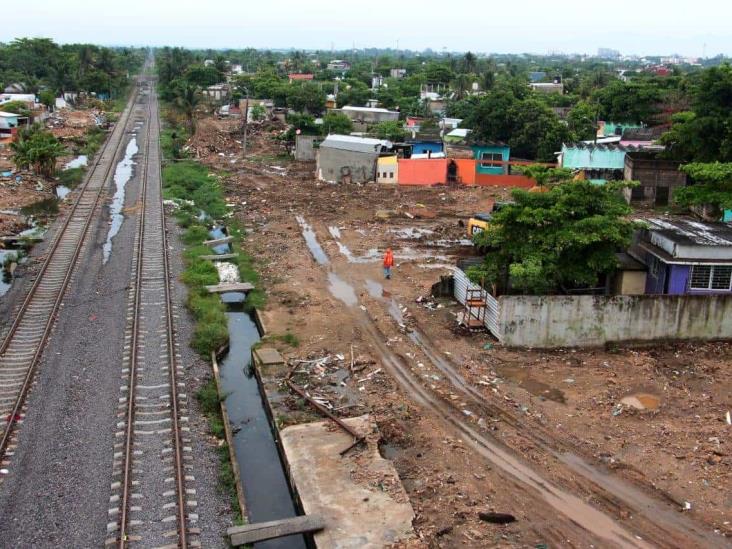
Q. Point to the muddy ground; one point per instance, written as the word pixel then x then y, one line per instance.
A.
pixel 568 418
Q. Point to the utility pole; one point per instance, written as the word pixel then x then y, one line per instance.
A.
pixel 246 121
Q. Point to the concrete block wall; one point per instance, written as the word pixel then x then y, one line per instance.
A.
pixel 568 321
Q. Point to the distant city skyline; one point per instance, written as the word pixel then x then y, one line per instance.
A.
pixel 523 26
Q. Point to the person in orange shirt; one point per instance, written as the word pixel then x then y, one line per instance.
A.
pixel 388 262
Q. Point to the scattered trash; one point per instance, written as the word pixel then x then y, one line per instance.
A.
pixel 729 418
pixel 488 346
pixel 641 401
pixel 687 506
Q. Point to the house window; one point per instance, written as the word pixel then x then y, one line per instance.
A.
pixel 711 277
pixel 700 275
pixel 721 277
pixel 492 157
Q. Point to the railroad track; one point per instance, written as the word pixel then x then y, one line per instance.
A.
pixel 25 340
pixel 150 504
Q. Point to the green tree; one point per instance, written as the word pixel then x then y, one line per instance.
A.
pixel 582 120
pixel 338 123
pixel 38 150
pixel 628 101
pixel 564 238
pixel 712 185
pixel 186 98
pixel 704 134
pixel 48 99
pixel 16 107
pixel 393 130
pixel 258 112
pixel 537 133
pixel 201 76
pixel 306 97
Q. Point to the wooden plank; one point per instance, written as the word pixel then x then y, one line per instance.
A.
pixel 218 257
pixel 230 287
pixel 262 531
pixel 218 241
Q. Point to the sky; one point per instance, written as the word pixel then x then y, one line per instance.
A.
pixel 643 27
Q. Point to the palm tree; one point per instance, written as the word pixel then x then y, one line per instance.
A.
pixel 38 150
pixel 187 98
pixel 469 62
pixel 461 86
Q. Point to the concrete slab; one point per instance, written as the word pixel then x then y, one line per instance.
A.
pixel 360 495
pixel 225 287
pixel 267 356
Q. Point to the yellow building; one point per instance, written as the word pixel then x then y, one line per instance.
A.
pixel 387 170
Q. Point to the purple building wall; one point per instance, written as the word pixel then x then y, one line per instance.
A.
pixel 671 280
pixel 656 284
pixel 678 279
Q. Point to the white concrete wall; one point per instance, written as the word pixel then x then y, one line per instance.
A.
pixel 566 321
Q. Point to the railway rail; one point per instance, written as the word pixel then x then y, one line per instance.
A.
pixel 151 502
pixel 26 338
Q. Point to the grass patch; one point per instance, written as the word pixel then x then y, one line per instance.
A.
pixel 92 141
pixel 42 208
pixel 72 177
pixel 188 180
pixel 288 338
pixel 172 141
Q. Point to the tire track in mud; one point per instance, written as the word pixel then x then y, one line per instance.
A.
pixel 579 514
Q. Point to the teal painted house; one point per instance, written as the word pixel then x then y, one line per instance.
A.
pixel 600 163
pixel 494 152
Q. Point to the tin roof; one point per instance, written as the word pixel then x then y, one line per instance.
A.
pixel 353 143
pixel 691 232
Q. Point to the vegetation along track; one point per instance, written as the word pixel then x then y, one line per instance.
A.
pixel 23 345
pixel 151 480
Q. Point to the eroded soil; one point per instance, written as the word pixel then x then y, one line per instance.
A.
pixel 581 466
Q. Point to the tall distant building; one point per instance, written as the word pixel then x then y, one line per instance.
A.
pixel 607 53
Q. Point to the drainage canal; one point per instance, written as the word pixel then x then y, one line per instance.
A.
pixel 266 489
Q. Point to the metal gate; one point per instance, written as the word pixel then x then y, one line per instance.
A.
pixel 462 285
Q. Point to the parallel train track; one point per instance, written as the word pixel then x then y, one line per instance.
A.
pixel 151 486
pixel 24 342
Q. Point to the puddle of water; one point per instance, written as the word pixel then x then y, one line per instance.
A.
pixel 388 451
pixel 77 162
pixel 537 388
pixel 642 401
pixel 36 231
pixel 6 280
pixel 375 289
pixel 341 289
pixel 122 175
pixel 312 241
pixel 411 233
pixel 450 243
pixel 266 490
pixel 62 191
pixel 215 234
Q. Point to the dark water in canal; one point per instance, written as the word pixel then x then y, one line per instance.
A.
pixel 266 490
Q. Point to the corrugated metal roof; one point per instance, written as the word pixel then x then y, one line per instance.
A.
pixel 689 231
pixel 585 155
pixel 367 109
pixel 353 143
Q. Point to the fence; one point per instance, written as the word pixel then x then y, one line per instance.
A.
pixel 462 285
pixel 589 320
